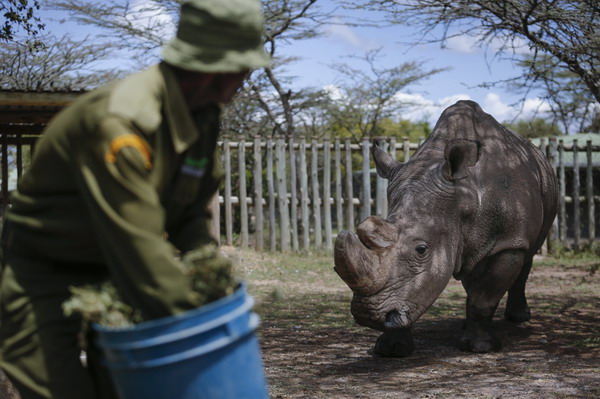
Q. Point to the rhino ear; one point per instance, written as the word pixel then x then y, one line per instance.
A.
pixel 459 156
pixel 384 162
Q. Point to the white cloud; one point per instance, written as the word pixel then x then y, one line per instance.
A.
pixel 148 15
pixel 420 108
pixel 493 105
pixel 424 109
pixel 533 106
pixel 462 44
pixel 334 92
pixel 340 31
pixel 467 44
pixel 503 112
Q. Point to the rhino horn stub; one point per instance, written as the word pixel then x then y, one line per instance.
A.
pixel 359 267
pixel 377 233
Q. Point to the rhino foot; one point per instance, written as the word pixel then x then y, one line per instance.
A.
pixel 517 315
pixel 396 343
pixel 479 339
pixel 479 345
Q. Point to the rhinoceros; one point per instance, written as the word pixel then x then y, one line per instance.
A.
pixel 475 202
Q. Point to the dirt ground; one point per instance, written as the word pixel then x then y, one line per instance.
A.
pixel 312 349
pixel 309 352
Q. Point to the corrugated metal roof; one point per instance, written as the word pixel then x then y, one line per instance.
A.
pixel 582 140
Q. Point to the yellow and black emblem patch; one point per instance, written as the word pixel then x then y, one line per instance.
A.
pixel 129 140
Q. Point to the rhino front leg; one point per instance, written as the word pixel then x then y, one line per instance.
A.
pixel 485 287
pixel 395 343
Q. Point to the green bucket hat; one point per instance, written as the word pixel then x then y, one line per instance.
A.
pixel 218 36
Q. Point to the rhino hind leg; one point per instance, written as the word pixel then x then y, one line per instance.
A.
pixel 494 277
pixel 517 309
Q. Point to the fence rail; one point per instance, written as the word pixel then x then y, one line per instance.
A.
pixel 283 194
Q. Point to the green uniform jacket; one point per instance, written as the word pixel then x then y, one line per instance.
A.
pixel 123 177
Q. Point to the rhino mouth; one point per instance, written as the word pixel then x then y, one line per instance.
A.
pixel 396 318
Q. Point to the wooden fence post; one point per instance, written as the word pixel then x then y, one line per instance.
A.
pixel 349 186
pixel 380 191
pixel 339 211
pixel 327 192
pixel 271 193
pixel 316 201
pixel 227 194
pixel 243 194
pixel 258 197
pixel 366 180
pixel 294 194
pixel 590 195
pixel 215 221
pixel 304 196
pixel 553 157
pixel 406 148
pixel 576 189
pixel 284 216
pixel 562 213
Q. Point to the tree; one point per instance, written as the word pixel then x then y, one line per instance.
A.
pixel 141 30
pixel 19 14
pixel 561 36
pixel 536 127
pixel 138 29
pixel 566 30
pixel 365 98
pixel 570 104
pixel 286 21
pixel 414 131
pixel 62 64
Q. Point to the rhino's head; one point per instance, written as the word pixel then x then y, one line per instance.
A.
pixel 398 266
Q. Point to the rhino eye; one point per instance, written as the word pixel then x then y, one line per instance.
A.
pixel 421 249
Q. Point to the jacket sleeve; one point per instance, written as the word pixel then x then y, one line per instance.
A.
pixel 113 166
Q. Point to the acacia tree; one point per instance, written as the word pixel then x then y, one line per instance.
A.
pixel 363 99
pixel 62 63
pixel 142 28
pixel 562 36
pixel 19 14
pixel 571 105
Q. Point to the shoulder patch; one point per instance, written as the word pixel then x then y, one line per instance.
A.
pixel 129 140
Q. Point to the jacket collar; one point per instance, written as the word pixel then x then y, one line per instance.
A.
pixel 183 129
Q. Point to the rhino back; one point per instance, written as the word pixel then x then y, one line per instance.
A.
pixel 510 197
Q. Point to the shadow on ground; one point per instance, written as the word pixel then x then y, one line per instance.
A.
pixel 310 353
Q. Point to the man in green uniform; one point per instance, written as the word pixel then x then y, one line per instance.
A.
pixel 118 183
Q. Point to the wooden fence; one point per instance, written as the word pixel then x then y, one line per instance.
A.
pixel 288 195
pixel 281 194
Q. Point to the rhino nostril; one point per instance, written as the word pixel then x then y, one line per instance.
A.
pixel 395 319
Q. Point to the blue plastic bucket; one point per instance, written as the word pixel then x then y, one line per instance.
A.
pixel 209 352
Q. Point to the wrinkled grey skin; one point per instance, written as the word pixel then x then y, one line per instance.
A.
pixel 475 202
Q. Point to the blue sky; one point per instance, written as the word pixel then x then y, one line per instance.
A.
pixel 469 65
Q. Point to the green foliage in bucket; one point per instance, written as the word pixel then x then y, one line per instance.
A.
pixel 211 276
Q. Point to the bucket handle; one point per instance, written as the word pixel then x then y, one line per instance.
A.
pixel 199 329
pixel 195 352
